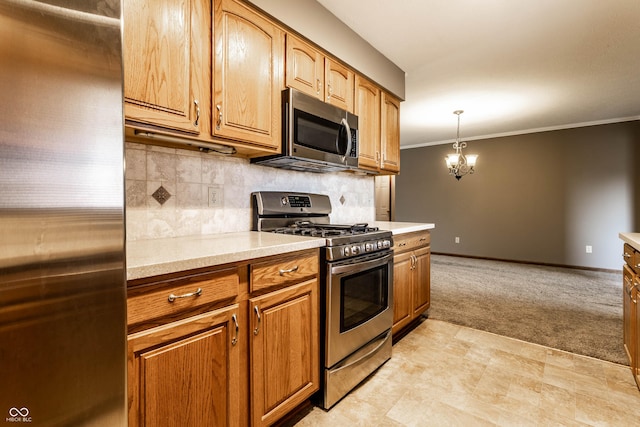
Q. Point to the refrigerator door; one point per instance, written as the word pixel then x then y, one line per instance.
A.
pixel 62 260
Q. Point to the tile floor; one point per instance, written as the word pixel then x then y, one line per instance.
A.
pixel 447 375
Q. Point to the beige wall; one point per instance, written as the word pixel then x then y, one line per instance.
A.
pixel 539 197
pixel 310 19
pixel 187 176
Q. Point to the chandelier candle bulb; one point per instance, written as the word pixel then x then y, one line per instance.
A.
pixel 471 159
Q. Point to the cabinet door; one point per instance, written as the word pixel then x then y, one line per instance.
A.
pixel 305 68
pixel 402 290
pixel 422 280
pixel 248 76
pixel 187 372
pixel 367 108
pixel 390 133
pixel 634 321
pixel 339 81
pixel 284 354
pixel 166 53
pixel 627 289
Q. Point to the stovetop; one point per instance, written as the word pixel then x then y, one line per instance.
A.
pixel 314 229
pixel 308 215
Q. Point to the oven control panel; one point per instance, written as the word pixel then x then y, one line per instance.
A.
pixel 296 201
pixel 361 248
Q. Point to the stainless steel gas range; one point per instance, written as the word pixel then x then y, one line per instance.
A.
pixel 356 286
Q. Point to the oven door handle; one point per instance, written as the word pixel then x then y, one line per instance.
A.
pixel 363 357
pixel 365 265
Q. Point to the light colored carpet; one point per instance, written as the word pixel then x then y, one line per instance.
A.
pixel 579 311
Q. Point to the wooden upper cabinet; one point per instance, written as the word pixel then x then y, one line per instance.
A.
pixel 367 108
pixel 311 72
pixel 390 133
pixel 248 76
pixel 339 84
pixel 305 67
pixel 166 56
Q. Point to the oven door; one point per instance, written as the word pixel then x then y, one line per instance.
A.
pixel 359 303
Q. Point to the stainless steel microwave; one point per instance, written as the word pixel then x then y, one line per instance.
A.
pixel 316 136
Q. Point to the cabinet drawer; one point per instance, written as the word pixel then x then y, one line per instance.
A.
pixel 183 293
pixel 410 241
pixel 283 270
pixel 632 257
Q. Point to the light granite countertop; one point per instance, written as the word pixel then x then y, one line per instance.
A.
pixel 397 227
pixel 631 238
pixel 153 257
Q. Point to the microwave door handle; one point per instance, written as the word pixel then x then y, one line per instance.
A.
pixel 348 151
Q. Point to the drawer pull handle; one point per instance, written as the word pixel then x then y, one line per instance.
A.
pixel 257 328
pixel 626 255
pixel 402 244
pixel 197 293
pixel 290 270
pixel 234 341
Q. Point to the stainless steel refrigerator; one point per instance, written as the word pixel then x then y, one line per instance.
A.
pixel 62 260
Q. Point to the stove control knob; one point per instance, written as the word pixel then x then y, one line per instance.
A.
pixel 380 244
pixel 355 250
pixel 386 243
pixel 369 247
pixel 347 251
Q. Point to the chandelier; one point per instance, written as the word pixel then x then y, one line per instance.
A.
pixel 458 163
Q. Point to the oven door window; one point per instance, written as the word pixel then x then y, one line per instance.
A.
pixel 363 296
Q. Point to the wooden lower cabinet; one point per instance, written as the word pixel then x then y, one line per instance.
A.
pixel 629 301
pixel 196 358
pixel 631 309
pixel 187 373
pixel 284 351
pixel 411 278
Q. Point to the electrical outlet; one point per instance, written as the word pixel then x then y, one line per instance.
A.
pixel 589 249
pixel 457 239
pixel 215 197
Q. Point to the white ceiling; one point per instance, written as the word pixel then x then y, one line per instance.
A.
pixel 513 66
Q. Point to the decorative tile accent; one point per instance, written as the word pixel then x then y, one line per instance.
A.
pixel 161 195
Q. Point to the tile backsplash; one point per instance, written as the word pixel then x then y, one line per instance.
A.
pixel 188 177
